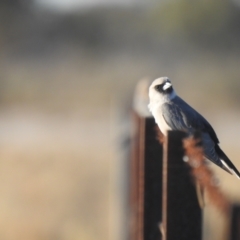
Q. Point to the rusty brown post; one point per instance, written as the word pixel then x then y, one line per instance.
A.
pixel 182 216
pixel 136 179
pixel 146 181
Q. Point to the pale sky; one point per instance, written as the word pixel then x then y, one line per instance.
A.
pixel 68 5
pixel 71 5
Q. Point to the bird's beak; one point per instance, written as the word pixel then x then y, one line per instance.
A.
pixel 167 85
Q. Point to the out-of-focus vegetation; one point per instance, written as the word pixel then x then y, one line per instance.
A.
pixel 166 36
pixel 209 22
pixel 65 82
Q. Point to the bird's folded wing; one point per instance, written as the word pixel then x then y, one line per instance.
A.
pixel 175 117
pixel 189 120
pixel 209 149
pixel 180 116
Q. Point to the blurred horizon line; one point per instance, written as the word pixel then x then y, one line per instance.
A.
pixel 65 6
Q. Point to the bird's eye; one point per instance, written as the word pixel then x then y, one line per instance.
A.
pixel 158 87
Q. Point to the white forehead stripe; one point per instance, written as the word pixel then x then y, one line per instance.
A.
pixel 167 85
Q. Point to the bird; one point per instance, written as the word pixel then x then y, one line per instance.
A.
pixel 172 113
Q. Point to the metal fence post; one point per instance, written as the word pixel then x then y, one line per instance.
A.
pixel 146 181
pixel 235 223
pixel 182 216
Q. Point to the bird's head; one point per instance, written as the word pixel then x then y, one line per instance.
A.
pixel 161 90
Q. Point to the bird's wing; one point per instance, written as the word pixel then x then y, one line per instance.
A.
pixel 210 149
pixel 180 116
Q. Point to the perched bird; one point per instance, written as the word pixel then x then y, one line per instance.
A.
pixel 172 113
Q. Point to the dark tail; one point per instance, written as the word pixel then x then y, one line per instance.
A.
pixel 228 165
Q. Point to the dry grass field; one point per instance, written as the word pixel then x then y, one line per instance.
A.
pixel 66 86
pixel 54 177
pixel 62 174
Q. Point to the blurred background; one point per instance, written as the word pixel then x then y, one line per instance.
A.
pixel 68 69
